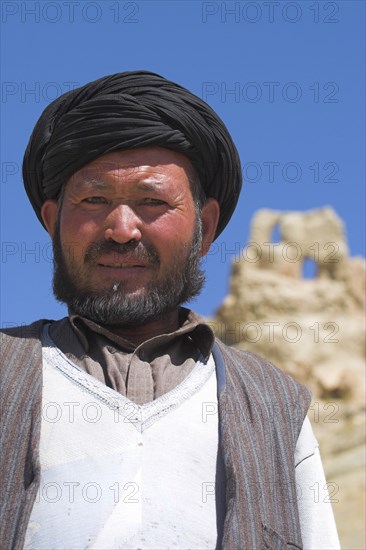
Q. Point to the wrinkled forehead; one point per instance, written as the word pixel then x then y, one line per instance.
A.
pixel 150 164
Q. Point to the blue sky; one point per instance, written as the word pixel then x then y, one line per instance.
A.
pixel 287 78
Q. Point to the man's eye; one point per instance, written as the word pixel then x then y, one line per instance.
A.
pixel 95 200
pixel 154 202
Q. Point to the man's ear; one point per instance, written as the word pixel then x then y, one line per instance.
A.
pixel 49 215
pixel 210 213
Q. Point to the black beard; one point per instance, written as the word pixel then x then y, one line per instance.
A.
pixel 113 307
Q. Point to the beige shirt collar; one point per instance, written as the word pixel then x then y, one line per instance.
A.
pixel 190 323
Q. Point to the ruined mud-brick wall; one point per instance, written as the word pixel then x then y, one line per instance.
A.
pixel 314 329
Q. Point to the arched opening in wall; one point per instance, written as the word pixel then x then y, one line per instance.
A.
pixel 309 268
pixel 276 234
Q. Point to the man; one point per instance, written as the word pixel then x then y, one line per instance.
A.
pixel 127 424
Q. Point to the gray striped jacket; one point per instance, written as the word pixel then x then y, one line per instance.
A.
pixel 261 411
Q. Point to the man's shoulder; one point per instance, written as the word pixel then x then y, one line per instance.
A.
pixel 21 365
pixel 258 370
pixel 245 357
pixel 30 331
pixel 20 341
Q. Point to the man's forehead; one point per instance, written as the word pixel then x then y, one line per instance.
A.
pixel 91 173
pixel 102 176
pixel 140 162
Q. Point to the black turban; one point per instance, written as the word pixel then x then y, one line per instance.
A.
pixel 126 110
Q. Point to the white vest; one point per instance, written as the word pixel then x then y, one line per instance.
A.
pixel 118 475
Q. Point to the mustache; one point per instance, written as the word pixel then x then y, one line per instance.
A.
pixel 135 250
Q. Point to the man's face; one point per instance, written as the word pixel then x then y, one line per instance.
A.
pixel 128 239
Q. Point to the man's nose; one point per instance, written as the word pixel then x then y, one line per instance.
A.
pixel 123 225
